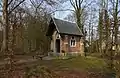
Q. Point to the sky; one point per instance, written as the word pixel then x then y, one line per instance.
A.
pixel 67 5
pixel 63 14
pixel 64 6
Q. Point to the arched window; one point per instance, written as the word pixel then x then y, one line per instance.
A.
pixel 72 42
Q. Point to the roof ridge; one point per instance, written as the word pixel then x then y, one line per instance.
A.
pixel 64 20
pixel 55 24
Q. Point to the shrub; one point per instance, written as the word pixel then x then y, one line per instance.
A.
pixel 39 71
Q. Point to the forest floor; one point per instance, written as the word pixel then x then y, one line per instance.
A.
pixel 77 67
pixel 19 59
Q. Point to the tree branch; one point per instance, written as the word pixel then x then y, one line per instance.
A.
pixel 81 1
pixel 32 3
pixel 113 3
pixel 40 4
pixel 86 5
pixel 76 3
pixel 9 2
pixel 16 6
pixel 118 12
pixel 37 5
pixel 62 10
pixel 111 12
pixel 73 4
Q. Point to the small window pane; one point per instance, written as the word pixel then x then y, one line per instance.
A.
pixel 72 42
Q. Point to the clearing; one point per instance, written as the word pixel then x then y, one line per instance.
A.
pixel 75 67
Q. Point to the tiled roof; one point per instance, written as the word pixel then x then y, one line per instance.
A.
pixel 66 27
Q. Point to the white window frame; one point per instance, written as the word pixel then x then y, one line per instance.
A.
pixel 72 38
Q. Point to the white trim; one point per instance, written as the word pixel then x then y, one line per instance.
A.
pixel 55 24
pixel 70 42
pixel 65 42
pixel 58 36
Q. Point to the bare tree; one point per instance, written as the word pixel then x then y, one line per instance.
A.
pixel 7 40
pixel 79 8
pixel 114 11
pixel 80 11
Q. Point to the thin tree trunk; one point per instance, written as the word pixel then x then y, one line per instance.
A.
pixel 116 25
pixel 4 47
pixel 107 31
pixel 29 45
pixel 100 32
pixel 5 35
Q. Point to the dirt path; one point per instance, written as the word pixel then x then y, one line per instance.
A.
pixel 19 61
pixel 24 59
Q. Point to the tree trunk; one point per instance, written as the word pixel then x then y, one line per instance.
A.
pixel 37 44
pixel 29 45
pixel 100 32
pixel 4 47
pixel 116 25
pixel 106 18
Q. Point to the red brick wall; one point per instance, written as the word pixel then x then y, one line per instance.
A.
pixel 65 44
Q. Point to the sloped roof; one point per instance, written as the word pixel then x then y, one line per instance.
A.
pixel 66 27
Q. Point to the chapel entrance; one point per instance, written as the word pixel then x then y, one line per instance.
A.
pixel 58 45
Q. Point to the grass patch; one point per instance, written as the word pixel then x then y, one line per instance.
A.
pixel 79 63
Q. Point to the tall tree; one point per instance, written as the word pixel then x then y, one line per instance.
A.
pixel 100 27
pixel 7 39
pixel 115 17
pixel 80 9
pixel 37 23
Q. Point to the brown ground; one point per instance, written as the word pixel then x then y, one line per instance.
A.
pixel 19 73
pixel 65 74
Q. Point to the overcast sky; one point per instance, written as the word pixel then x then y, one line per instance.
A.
pixel 64 6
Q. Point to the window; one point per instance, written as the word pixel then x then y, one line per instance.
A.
pixel 72 42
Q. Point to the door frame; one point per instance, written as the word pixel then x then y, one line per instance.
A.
pixel 56 45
